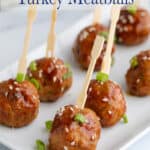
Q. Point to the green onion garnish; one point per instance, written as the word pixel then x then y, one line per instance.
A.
pixel 105 34
pixel 27 78
pixel 40 145
pixel 125 119
pixel 79 118
pixel 48 125
pixel 102 77
pixel 35 82
pixel 132 9
pixel 134 62
pixel 33 66
pixel 20 77
pixel 69 73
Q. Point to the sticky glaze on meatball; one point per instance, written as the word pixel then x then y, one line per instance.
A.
pixel 19 103
pixel 138 75
pixel 68 133
pixel 107 100
pixel 54 78
pixel 133 27
pixel 84 43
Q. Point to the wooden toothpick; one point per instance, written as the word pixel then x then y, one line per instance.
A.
pixel 30 19
pixel 96 51
pixel 97 14
pixel 52 34
pixel 136 3
pixel 106 64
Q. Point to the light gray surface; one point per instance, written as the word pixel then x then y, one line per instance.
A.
pixel 12 29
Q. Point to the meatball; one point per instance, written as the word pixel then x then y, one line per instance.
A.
pixel 19 103
pixel 75 129
pixel 138 75
pixel 53 77
pixel 84 43
pixel 107 100
pixel 133 27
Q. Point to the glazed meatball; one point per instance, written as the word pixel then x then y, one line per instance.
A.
pixel 54 78
pixel 19 103
pixel 74 129
pixel 133 28
pixel 107 100
pixel 138 75
pixel 84 43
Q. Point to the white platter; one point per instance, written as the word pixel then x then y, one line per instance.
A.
pixel 117 137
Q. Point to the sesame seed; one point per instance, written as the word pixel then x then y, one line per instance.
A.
pixel 30 74
pixel 90 89
pixel 124 21
pixel 6 94
pixel 66 129
pixel 120 29
pixel 57 66
pixel 84 35
pixel 54 79
pixel 126 29
pixel 10 87
pixel 16 83
pixel 17 89
pixel 61 80
pixel 54 61
pixel 34 97
pixel 60 111
pixel 120 39
pixel 49 70
pixel 121 18
pixel 92 29
pixel 138 80
pixel 62 89
pixel 110 112
pixel 73 143
pixel 86 121
pixel 71 109
pixel 146 58
pixel 105 99
pixel 18 95
pixel 65 148
pixel 131 19
pixel 93 137
pixel 40 73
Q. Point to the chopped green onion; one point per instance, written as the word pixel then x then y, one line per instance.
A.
pixel 125 119
pixel 69 73
pixel 105 34
pixel 67 66
pixel 40 145
pixel 27 78
pixel 102 77
pixel 20 77
pixel 132 9
pixel 134 62
pixel 79 118
pixel 33 66
pixel 35 82
pixel 48 125
pixel 112 60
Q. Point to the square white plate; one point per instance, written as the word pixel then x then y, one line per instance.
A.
pixel 117 137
